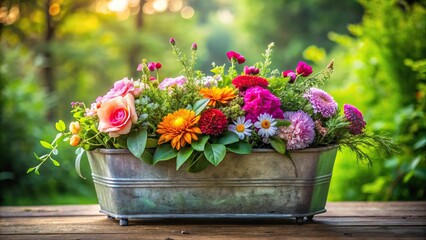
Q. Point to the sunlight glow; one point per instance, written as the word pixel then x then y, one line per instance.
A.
pixel 148 8
pixel 187 12
pixel 9 17
pixel 175 5
pixel 225 16
pixel 118 5
pixel 160 5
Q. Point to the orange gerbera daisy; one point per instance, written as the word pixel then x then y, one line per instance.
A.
pixel 179 127
pixel 222 95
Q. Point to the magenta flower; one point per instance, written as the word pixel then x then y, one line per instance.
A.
pixel 151 66
pixel 291 74
pixel 251 70
pixel 234 55
pixel 354 116
pixel 321 102
pixel 301 132
pixel 303 69
pixel 258 100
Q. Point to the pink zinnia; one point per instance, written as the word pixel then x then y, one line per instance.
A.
pixel 303 69
pixel 258 100
pixel 301 132
pixel 321 102
pixel 354 116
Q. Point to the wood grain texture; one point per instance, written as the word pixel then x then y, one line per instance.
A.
pixel 343 220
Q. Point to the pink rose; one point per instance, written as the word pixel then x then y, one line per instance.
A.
pixel 117 115
pixel 121 88
pixel 303 69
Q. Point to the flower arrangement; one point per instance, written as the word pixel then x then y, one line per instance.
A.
pixel 197 118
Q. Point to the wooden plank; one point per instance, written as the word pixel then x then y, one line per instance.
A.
pixel 57 210
pixel 359 220
pixel 333 209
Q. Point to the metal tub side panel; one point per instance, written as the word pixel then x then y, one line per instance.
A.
pixel 258 183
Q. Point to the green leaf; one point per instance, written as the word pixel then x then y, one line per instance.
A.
pixel 56 163
pixel 46 145
pixel 79 151
pixel 151 143
pixel 200 143
pixel 199 164
pixel 147 156
pixel 136 142
pixel 215 153
pixel 164 152
pixel 200 105
pixel 227 138
pixel 183 155
pixel 241 147
pixel 282 123
pixel 60 126
pixel 278 144
pixel 30 170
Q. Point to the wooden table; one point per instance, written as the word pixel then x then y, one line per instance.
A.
pixel 343 220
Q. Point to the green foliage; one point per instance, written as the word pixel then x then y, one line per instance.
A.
pixel 136 142
pixel 385 68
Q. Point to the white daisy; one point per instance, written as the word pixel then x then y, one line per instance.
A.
pixel 266 125
pixel 241 127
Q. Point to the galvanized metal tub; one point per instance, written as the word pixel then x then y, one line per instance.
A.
pixel 263 184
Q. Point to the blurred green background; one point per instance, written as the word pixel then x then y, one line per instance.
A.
pixel 54 52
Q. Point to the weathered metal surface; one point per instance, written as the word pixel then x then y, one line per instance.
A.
pixel 261 184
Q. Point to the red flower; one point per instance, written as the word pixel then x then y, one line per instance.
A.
pixel 244 82
pixel 303 69
pixel 234 55
pixel 213 122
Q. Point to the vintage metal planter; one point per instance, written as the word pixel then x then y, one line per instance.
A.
pixel 263 184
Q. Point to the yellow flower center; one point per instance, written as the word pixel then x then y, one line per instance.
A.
pixel 266 124
pixel 240 128
pixel 178 122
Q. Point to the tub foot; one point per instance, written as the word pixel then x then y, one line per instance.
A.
pixel 110 217
pixel 310 218
pixel 299 220
pixel 124 221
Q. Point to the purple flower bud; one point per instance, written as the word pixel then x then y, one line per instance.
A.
pixel 194 46
pixel 172 41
